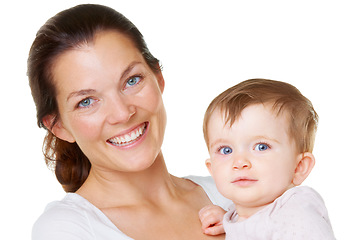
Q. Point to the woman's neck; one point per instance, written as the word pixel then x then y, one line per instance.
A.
pixel 110 189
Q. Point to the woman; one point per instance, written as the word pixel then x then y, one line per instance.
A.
pixel 98 92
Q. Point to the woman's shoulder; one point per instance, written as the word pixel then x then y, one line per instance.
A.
pixel 208 185
pixel 72 206
pixel 74 218
pixel 65 219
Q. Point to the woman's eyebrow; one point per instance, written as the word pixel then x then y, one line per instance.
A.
pixel 82 92
pixel 129 68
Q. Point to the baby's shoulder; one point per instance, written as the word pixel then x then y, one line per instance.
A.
pixel 300 197
pixel 301 212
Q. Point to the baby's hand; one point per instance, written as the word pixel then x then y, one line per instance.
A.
pixel 211 217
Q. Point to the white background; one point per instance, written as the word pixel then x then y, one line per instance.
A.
pixel 205 47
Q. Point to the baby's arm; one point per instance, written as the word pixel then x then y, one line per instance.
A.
pixel 211 217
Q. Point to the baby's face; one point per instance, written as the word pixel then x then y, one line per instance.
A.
pixel 252 162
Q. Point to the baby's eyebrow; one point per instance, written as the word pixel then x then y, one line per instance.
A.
pixel 267 138
pixel 216 142
pixel 82 92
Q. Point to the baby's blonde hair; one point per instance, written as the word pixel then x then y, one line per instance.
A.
pixel 283 97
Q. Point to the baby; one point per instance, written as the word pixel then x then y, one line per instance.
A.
pixel 260 136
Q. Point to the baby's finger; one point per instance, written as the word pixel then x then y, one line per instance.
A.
pixel 209 221
pixel 205 210
pixel 215 230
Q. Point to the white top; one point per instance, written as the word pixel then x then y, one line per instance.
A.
pixel 299 214
pixel 75 218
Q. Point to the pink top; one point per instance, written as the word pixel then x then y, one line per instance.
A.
pixel 298 214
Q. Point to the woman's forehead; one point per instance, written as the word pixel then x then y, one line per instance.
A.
pixel 110 53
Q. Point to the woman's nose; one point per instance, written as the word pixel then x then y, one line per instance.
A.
pixel 119 110
pixel 241 162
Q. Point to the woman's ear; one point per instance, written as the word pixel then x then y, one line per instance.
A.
pixel 57 128
pixel 160 80
pixel 305 163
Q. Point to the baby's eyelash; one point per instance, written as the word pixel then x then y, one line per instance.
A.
pixel 224 150
pixel 262 146
pixel 267 144
pixel 219 148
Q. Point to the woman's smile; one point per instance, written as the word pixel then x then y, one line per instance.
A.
pixel 131 137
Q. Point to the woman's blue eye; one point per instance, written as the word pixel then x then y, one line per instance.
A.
pixel 85 102
pixel 133 80
pixel 261 147
pixel 225 150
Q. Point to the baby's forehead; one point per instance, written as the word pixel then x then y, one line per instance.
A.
pixel 255 120
pixel 232 114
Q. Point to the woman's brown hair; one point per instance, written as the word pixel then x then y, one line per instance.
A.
pixel 68 30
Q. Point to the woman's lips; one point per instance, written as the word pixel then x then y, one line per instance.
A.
pixel 130 137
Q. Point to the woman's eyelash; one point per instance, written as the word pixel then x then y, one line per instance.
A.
pixel 85 103
pixel 133 80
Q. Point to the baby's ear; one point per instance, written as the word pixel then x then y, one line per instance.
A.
pixel 305 163
pixel 208 164
pixel 57 129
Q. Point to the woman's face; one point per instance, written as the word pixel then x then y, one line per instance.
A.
pixel 110 103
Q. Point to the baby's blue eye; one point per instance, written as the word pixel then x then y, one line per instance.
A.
pixel 225 150
pixel 133 80
pixel 261 147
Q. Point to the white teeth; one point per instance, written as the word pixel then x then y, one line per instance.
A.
pixel 133 135
pixel 128 137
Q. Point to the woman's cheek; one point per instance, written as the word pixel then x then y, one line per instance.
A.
pixel 87 127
